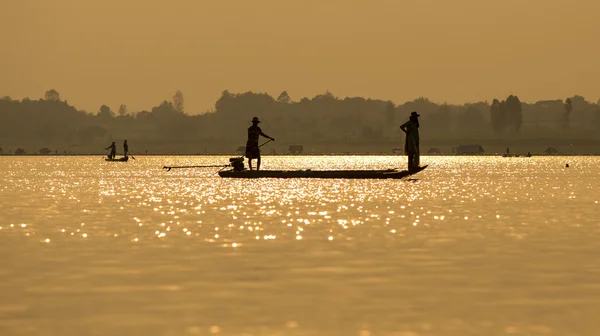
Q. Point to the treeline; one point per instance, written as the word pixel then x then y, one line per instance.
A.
pixel 324 121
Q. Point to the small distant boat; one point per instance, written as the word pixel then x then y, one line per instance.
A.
pixel 517 155
pixel 323 174
pixel 123 159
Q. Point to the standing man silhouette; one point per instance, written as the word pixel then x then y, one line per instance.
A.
pixel 125 148
pixel 411 145
pixel 252 150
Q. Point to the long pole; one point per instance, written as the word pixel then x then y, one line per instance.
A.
pixel 168 168
pixel 210 166
pixel 266 142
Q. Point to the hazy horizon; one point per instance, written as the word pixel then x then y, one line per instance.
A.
pixel 139 53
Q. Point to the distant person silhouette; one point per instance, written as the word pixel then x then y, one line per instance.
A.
pixel 252 150
pixel 113 150
pixel 125 148
pixel 411 145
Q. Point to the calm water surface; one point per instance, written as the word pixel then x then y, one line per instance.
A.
pixel 470 246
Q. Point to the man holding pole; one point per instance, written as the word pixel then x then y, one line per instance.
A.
pixel 252 148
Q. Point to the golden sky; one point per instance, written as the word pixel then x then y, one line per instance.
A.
pixel 139 52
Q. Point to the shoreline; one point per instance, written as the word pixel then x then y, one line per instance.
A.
pixel 306 154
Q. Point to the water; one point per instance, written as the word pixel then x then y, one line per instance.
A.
pixel 470 246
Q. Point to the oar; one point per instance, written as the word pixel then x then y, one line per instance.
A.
pixel 131 156
pixel 168 168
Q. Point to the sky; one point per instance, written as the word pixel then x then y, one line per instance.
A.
pixel 139 52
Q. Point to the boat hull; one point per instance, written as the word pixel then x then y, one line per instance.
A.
pixel 323 174
pixel 123 159
pixel 517 155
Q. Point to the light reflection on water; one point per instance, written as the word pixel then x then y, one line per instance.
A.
pixel 480 245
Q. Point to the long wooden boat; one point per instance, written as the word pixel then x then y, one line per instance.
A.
pixel 325 174
pixel 123 159
pixel 517 155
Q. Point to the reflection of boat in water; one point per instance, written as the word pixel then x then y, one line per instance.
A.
pixel 324 174
pixel 123 159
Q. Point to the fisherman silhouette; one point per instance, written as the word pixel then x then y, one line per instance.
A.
pixel 252 150
pixel 411 145
pixel 113 150
pixel 125 148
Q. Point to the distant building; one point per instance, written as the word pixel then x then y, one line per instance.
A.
pixel 45 151
pixel 434 151
pixel 551 151
pixel 296 149
pixel 469 150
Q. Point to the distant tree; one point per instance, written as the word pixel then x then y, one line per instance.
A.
pixel 498 115
pixel 440 119
pixel 578 102
pixel 19 151
pixel 178 101
pixel 567 116
pixel 471 119
pixel 123 110
pixel 327 96
pixel 105 112
pixel 52 95
pixel 165 108
pixel 596 118
pixel 284 97
pixel 390 109
pixel 515 112
pixel 224 102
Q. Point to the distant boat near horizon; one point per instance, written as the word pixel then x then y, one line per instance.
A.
pixel 517 155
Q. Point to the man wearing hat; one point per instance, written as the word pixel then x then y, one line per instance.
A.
pixel 411 145
pixel 252 150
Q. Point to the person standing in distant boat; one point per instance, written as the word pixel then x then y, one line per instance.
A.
pixel 411 145
pixel 252 150
pixel 125 148
pixel 113 150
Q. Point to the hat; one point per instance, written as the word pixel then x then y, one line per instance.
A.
pixel 255 120
pixel 414 114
